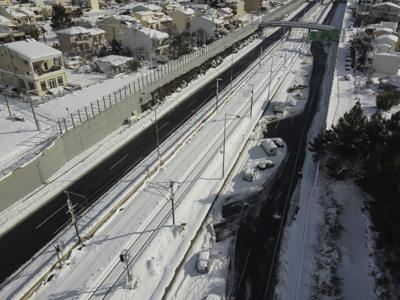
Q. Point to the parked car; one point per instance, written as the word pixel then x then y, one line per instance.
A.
pixel 278 142
pixel 265 164
pixel 203 262
pixel 269 147
pixel 249 174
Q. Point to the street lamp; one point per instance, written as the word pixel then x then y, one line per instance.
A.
pixel 216 104
pixel 223 146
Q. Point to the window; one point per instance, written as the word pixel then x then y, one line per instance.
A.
pixel 31 85
pixel 60 81
pixel 46 67
pixel 52 83
pixel 43 86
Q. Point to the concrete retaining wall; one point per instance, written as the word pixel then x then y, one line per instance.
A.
pixel 71 143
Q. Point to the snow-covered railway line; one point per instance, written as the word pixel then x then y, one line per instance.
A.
pixel 165 212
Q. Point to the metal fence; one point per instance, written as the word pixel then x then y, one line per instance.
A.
pixel 154 79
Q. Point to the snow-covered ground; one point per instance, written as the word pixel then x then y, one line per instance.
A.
pixel 195 193
pixel 328 244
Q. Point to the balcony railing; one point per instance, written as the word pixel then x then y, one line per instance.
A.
pixel 41 72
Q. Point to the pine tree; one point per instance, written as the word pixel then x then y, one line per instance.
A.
pixel 61 19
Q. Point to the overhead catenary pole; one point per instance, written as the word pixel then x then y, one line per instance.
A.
pixel 251 99
pixel 73 218
pixel 8 105
pixel 270 79
pixel 217 98
pixel 172 198
pixel 224 142
pixel 157 137
pixel 33 112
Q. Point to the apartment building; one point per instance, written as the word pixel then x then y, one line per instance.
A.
pixel 210 26
pixel 385 11
pixel 81 41
pixel 32 66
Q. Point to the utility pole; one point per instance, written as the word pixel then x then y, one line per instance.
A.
pixel 216 103
pixel 251 99
pixel 231 69
pixel 157 137
pixel 270 79
pixel 124 257
pixel 73 218
pixel 58 251
pixel 172 198
pixel 8 105
pixel 224 142
pixel 33 112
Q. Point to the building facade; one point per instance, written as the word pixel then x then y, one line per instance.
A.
pixel 32 66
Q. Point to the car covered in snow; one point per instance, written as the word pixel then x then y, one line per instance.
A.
pixel 249 174
pixel 265 164
pixel 269 147
pixel 278 142
pixel 203 262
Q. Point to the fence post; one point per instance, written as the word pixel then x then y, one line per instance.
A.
pixel 59 126
pixel 72 119
pixel 120 94
pixel 142 81
pixel 109 99
pixel 98 105
pixel 134 87
pixel 130 89
pixel 115 96
pixel 138 84
pixel 104 103
pixel 80 118
pixel 87 115
pixel 65 124
pixel 125 91
pixel 91 105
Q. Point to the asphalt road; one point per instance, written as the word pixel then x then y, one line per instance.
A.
pixel 20 244
pixel 259 236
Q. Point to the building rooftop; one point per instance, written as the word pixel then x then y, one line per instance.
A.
pixel 386 4
pixel 74 30
pixel 154 34
pixel 115 60
pixel 32 49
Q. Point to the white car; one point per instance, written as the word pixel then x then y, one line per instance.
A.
pixel 278 142
pixel 265 164
pixel 203 262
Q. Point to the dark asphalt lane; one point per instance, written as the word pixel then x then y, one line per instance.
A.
pixel 20 244
pixel 259 235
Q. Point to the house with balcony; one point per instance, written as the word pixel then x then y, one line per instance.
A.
pixel 81 41
pixel 23 18
pixel 181 18
pixel 32 66
pixel 115 25
pixel 144 43
pixel 9 32
pixel 154 20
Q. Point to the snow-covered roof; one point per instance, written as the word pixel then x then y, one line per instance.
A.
pixel 96 31
pixel 144 13
pixel 154 34
pixel 187 11
pixel 384 38
pixel 386 4
pixel 4 20
pixel 14 13
pixel 214 20
pixel 26 11
pixel 74 30
pixel 115 60
pixel 225 10
pixel 32 50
